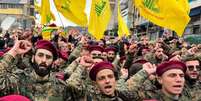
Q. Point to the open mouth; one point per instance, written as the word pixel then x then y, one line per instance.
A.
pixel 177 86
pixel 108 87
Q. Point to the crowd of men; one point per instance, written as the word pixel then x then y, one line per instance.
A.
pixel 76 67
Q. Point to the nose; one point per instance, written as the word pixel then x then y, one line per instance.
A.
pixel 179 78
pixel 44 59
pixel 195 69
pixel 107 80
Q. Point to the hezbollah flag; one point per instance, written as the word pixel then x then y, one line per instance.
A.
pixel 47 32
pixel 38 9
pixel 122 27
pixel 45 12
pixel 172 14
pixel 99 17
pixel 73 10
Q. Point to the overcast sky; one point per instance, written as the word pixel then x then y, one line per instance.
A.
pixel 63 20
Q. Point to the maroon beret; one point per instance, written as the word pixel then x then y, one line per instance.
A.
pixel 52 25
pixel 14 98
pixel 167 65
pixel 63 55
pixel 96 47
pixel 98 67
pixel 104 50
pixel 44 44
pixel 110 49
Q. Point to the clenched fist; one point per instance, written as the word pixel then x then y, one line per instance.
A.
pixel 20 47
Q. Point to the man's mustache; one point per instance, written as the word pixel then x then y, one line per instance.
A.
pixel 43 64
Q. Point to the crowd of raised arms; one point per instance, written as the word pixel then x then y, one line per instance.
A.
pixel 76 67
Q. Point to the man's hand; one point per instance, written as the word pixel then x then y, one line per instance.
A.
pixel 149 68
pixel 20 47
pixel 86 61
pixel 176 58
pixel 84 40
pixel 132 48
pixel 192 50
pixel 124 73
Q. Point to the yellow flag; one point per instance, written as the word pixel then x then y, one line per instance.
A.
pixel 185 5
pixel 45 12
pixel 122 27
pixel 73 10
pixel 172 14
pixel 38 9
pixel 47 33
pixel 99 17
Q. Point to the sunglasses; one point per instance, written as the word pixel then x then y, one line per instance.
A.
pixel 192 67
pixel 94 54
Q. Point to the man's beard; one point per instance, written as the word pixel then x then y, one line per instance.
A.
pixel 190 80
pixel 159 57
pixel 110 59
pixel 41 69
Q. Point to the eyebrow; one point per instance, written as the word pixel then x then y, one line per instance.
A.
pixel 44 54
pixel 176 73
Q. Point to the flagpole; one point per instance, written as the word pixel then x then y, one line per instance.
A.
pixel 147 30
pixel 60 19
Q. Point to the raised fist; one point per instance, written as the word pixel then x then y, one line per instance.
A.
pixel 20 47
pixel 149 68
pixel 86 61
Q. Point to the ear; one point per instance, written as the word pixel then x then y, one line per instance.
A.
pixel 159 79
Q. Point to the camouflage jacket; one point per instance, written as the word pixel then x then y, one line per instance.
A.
pixel 135 84
pixel 151 58
pixel 150 85
pixel 119 96
pixel 75 54
pixel 160 96
pixel 129 59
pixel 29 84
pixel 92 93
pixel 68 70
pixel 194 89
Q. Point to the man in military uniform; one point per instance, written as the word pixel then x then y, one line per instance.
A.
pixel 157 57
pixel 76 52
pixel 170 76
pixel 90 51
pixel 96 50
pixel 111 54
pixel 60 64
pixel 192 74
pixel 39 84
pixel 102 74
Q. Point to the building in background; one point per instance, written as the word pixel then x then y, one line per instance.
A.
pixel 16 13
pixel 140 26
pixel 113 24
pixel 194 26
